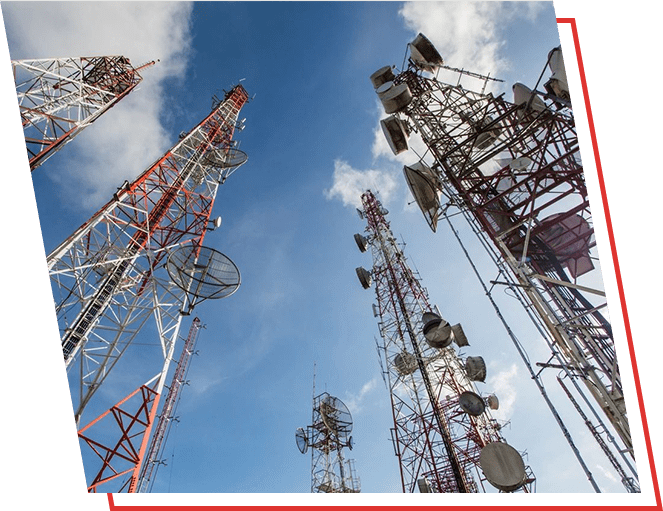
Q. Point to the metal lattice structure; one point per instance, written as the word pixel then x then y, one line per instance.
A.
pixel 513 170
pixel 327 436
pixel 116 272
pixel 441 423
pixel 58 98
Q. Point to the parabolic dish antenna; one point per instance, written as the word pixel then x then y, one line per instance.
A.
pixel 437 331
pixel 569 238
pixel 471 403
pixel 492 402
pixel 459 336
pixel 364 277
pixel 203 272
pixel 475 367
pixel 405 363
pixel 302 441
pixel 382 75
pixel 396 98
pixel 503 466
pixel 395 133
pixel 522 95
pixel 421 181
pixel 336 416
pixel 225 158
pixel 361 241
pixel 424 54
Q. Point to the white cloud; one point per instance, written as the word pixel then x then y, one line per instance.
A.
pixel 355 402
pixel 468 35
pixel 126 139
pixel 350 183
pixel 502 385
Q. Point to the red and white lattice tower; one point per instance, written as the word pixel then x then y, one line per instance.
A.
pixel 444 435
pixel 125 266
pixel 58 98
pixel 513 170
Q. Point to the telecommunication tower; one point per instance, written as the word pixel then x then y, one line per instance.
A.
pixel 139 257
pixel 444 435
pixel 327 436
pixel 58 98
pixel 513 171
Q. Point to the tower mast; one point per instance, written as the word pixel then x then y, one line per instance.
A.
pixel 58 98
pixel 109 276
pixel 514 172
pixel 443 432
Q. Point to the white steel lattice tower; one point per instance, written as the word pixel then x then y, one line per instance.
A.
pixel 443 433
pixel 514 172
pixel 58 98
pixel 140 257
pixel 327 436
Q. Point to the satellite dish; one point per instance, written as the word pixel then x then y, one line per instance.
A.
pixel 437 331
pixel 225 158
pixel 421 181
pixel 302 440
pixel 382 75
pixel 351 443
pixel 364 277
pixel 471 403
pixel 361 241
pixel 396 98
pixel 215 224
pixel 360 213
pixel 336 416
pixel 405 363
pixel 492 402
pixel 384 211
pixel 503 466
pixel 383 89
pixel 475 367
pixel 459 336
pixel 424 55
pixel 395 133
pixel 202 272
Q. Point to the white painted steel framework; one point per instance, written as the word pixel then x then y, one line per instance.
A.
pixel 58 98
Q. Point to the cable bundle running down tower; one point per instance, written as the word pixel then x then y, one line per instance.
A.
pixel 443 434
pixel 58 98
pixel 513 170
pixel 141 256
pixel 327 436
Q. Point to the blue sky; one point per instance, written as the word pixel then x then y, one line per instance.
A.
pixel 288 219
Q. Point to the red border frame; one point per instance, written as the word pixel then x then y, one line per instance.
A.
pixel 622 298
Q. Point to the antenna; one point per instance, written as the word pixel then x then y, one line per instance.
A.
pixel 421 367
pixel 327 436
pixel 541 251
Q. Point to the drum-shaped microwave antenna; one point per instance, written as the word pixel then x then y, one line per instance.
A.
pixel 459 336
pixel 503 466
pixel 424 55
pixel 203 273
pixel 396 98
pixel 383 89
pixel 302 440
pixel 382 75
pixel 364 277
pixel 396 134
pixel 336 416
pixel 475 367
pixel 437 331
pixel 421 181
pixel 492 402
pixel 361 241
pixel 471 403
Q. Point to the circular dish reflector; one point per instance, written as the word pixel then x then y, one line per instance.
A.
pixel 492 402
pixel 471 403
pixel 522 94
pixel 475 368
pixel 421 181
pixel 361 241
pixel 336 415
pixel 424 54
pixel 459 336
pixel 225 158
pixel 364 277
pixel 395 133
pixel 405 363
pixel 396 98
pixel 382 75
pixel 503 466
pixel 384 88
pixel 437 332
pixel 302 441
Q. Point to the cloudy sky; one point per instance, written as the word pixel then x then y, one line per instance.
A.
pixel 314 145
